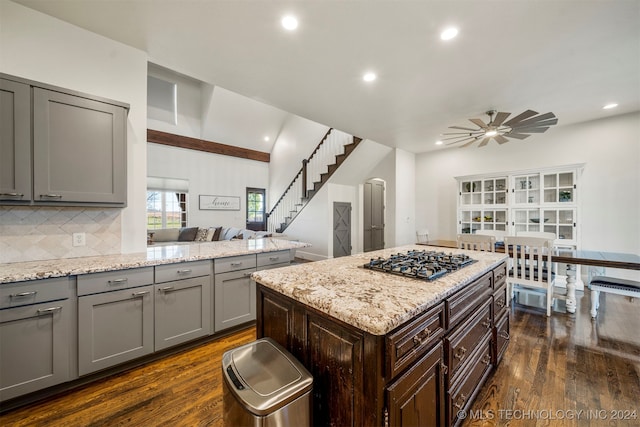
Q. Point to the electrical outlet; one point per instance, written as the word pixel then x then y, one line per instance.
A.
pixel 79 239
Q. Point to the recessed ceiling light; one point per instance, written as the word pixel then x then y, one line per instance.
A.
pixel 290 22
pixel 369 77
pixel 439 142
pixel 610 106
pixel 266 139
pixel 449 33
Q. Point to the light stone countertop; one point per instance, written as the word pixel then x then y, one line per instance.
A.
pixel 372 301
pixel 155 255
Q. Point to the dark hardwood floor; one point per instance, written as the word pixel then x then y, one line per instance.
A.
pixel 554 367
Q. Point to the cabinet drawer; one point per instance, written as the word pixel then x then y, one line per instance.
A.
pixel 267 259
pixel 500 301
pixel 34 292
pixel 461 395
pixel 460 345
pixel 183 270
pixel 501 337
pixel 500 275
pixel 463 302
pixel 114 280
pixel 234 263
pixel 411 341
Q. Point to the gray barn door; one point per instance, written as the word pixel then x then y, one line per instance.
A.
pixel 373 213
pixel 341 229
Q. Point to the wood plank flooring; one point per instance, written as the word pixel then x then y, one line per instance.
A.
pixel 553 366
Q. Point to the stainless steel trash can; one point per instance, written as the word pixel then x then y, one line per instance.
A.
pixel 265 386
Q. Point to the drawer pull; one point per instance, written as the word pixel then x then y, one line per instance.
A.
pixel 137 294
pixel 444 368
pixel 422 336
pixel 166 289
pixel 505 335
pixel 248 274
pixel 48 310
pixel 460 353
pixel 487 323
pixel 460 402
pixel 117 281
pixel 236 264
pixel 274 258
pixel 11 194
pixel 23 294
pixel 185 271
pixel 486 359
pixel 51 196
pixel 500 276
pixel 501 304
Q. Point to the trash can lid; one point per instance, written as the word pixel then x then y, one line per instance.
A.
pixel 267 376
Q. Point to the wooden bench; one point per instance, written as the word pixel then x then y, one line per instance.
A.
pixel 612 285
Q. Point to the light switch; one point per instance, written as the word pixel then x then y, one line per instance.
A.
pixel 79 239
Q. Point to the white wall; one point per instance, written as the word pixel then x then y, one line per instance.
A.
pixel 609 187
pixel 405 198
pixel 38 47
pixel 209 174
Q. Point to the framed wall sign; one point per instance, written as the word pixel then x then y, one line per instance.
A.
pixel 221 203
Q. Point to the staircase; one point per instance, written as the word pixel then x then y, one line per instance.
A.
pixel 327 157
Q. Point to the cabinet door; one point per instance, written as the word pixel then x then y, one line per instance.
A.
pixel 182 311
pixel 417 397
pixel 235 299
pixel 15 142
pixel 114 327
pixel 79 149
pixel 34 347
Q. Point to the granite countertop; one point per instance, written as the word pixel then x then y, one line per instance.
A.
pixel 155 255
pixel 372 301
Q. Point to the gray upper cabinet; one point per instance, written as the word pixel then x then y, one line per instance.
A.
pixel 77 145
pixel 15 142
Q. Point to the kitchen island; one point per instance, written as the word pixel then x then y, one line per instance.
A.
pixel 386 349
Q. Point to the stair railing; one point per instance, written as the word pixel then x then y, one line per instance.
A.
pixel 296 194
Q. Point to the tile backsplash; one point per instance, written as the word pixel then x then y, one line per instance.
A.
pixel 40 233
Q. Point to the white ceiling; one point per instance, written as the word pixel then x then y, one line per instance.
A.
pixel 566 56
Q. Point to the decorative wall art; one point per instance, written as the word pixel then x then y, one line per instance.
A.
pixel 219 203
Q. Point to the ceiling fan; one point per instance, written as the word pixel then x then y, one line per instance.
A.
pixel 519 127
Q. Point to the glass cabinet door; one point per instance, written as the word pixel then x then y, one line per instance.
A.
pixel 559 187
pixel 473 220
pixel 526 220
pixel 526 189
pixel 494 191
pixel 562 222
pixel 471 192
pixel 470 221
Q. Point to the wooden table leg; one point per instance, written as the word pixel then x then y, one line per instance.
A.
pixel 571 288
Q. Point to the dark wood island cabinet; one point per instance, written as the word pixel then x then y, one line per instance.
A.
pixel 417 367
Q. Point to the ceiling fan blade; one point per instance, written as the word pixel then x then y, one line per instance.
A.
pixel 520 117
pixel 479 123
pixel 459 137
pixel 463 128
pixel 457 142
pixel 484 141
pixel 535 129
pixel 500 139
pixel 517 135
pixel 536 124
pixel 535 120
pixel 469 143
pixel 462 133
pixel 500 117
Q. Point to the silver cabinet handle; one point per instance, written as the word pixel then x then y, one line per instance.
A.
pixel 504 334
pixel 117 281
pixel 23 294
pixel 185 271
pixel 166 289
pixel 236 264
pixel 48 310
pixel 274 258
pixel 137 294
pixel 51 196
pixel 248 274
pixel 12 194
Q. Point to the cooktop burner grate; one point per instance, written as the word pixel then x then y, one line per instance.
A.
pixel 425 265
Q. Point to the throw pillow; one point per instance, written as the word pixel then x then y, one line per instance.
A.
pixel 187 234
pixel 201 235
pixel 216 234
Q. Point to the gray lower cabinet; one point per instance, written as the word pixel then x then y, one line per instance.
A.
pixel 115 318
pixel 76 143
pixel 183 306
pixel 35 321
pixel 15 142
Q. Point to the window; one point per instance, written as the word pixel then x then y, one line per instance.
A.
pixel 166 209
pixel 255 209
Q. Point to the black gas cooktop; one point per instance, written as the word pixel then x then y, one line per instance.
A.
pixel 425 265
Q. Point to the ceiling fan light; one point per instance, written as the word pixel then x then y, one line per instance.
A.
pixel 491 133
pixel 449 33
